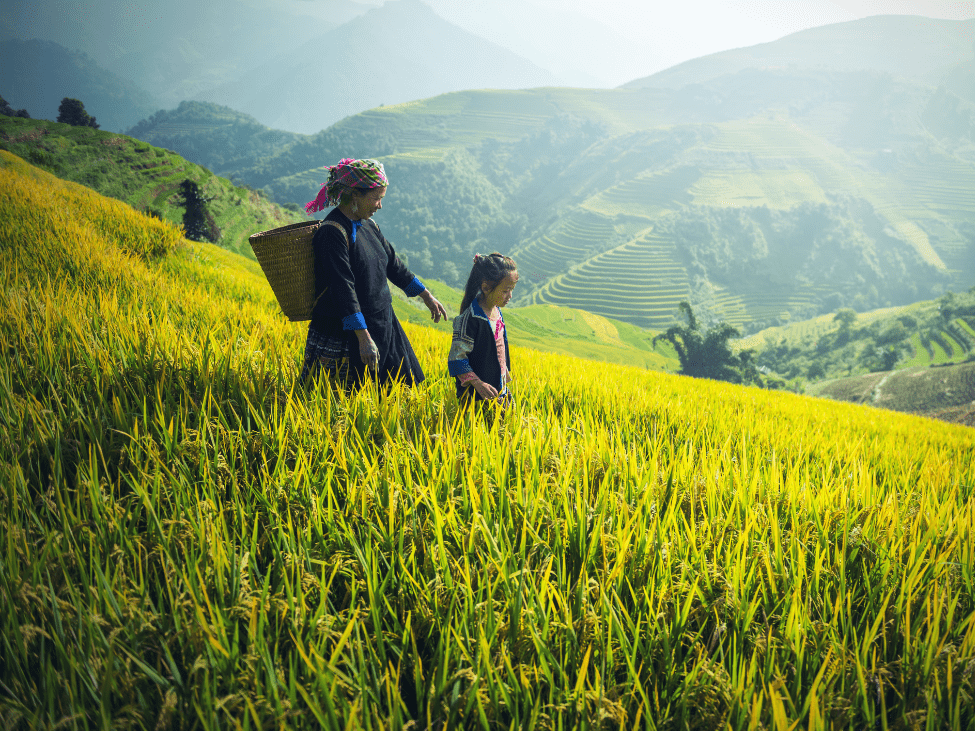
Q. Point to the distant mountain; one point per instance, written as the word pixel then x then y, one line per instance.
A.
pixel 37 75
pixel 960 80
pixel 405 52
pixel 179 47
pixel 921 49
pixel 219 138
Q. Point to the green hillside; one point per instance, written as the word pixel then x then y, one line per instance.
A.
pixel 221 139
pixel 928 333
pixel 194 540
pixel 145 177
pixel 760 196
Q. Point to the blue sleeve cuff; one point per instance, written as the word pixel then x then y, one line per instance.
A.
pixel 458 367
pixel 414 288
pixel 354 322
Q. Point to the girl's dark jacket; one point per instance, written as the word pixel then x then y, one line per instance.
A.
pixel 473 349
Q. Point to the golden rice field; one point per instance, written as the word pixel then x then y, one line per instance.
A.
pixel 192 541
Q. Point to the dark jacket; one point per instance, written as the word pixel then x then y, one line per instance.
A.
pixel 351 276
pixel 473 349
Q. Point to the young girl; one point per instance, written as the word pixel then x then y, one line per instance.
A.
pixel 479 358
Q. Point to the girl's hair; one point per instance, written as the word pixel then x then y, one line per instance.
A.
pixel 488 269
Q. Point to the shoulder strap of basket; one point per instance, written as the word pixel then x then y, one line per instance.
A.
pixel 341 229
pixel 345 237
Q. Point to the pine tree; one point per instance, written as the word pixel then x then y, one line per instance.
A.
pixel 72 111
pixel 198 222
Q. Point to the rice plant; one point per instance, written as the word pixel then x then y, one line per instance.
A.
pixel 193 540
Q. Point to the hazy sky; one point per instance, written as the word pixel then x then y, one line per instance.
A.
pixel 736 23
pixel 663 33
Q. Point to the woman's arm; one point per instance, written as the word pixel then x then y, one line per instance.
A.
pixel 399 274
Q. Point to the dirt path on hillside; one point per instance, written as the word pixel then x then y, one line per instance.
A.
pixel 877 392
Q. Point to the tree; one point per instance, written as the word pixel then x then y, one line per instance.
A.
pixel 72 112
pixel 816 371
pixel 8 111
pixel 846 318
pixel 198 222
pixel 882 358
pixel 947 306
pixel 706 354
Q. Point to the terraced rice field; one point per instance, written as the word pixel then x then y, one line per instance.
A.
pixel 769 306
pixel 475 116
pixel 730 308
pixel 940 354
pixel 647 195
pixel 920 356
pixel 811 330
pixel 638 282
pixel 949 188
pixel 576 237
pixel 799 166
pixel 775 188
pixel 936 354
pixel 620 110
pixel 946 191
pixel 311 178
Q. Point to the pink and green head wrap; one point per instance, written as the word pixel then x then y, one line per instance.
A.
pixel 345 175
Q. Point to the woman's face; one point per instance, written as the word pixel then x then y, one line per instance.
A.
pixel 501 294
pixel 370 202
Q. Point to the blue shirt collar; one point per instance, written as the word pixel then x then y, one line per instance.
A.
pixel 479 311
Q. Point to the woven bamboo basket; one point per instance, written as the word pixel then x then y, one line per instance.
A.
pixel 286 256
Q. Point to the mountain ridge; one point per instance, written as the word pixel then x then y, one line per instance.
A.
pixel 881 43
pixel 331 86
pixel 115 102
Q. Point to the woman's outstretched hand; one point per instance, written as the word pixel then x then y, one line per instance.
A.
pixel 437 311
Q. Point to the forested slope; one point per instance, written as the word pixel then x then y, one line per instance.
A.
pixel 759 194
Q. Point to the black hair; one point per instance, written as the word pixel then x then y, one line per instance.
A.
pixel 349 193
pixel 490 269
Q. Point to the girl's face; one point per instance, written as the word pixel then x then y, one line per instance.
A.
pixel 500 295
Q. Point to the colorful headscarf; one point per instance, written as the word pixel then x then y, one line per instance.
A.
pixel 348 173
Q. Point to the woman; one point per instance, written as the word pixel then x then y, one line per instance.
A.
pixel 353 328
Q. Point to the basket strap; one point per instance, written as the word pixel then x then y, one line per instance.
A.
pixel 340 227
pixel 345 237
